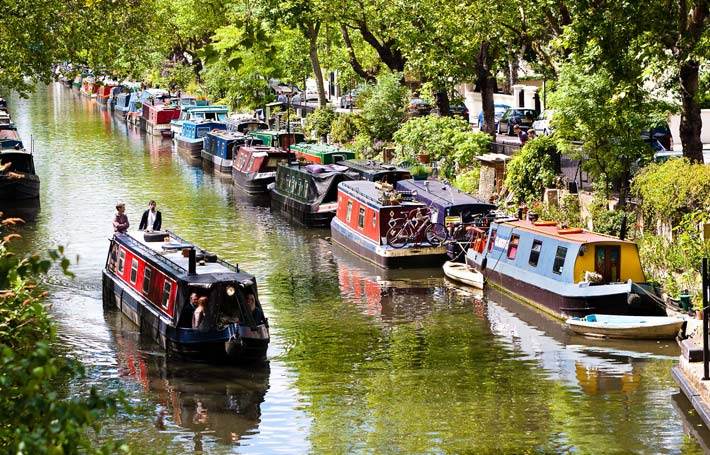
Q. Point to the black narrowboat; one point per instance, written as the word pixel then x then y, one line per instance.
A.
pixel 375 171
pixel 151 277
pixel 308 195
pixel 254 169
pixel 18 180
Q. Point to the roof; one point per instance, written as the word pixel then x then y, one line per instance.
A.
pixel 318 148
pixel 227 135
pixel 494 158
pixel 372 167
pixel 552 231
pixel 9 134
pixel 440 193
pixel 213 108
pixel 369 192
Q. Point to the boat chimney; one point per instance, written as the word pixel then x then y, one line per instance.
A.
pixel 192 262
pixel 622 229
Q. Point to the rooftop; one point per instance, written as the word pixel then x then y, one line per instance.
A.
pixel 440 193
pixel 370 192
pixel 584 236
pixel 318 148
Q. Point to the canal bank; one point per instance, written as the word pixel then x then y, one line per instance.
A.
pixel 361 360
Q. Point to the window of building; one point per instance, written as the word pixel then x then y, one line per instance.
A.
pixel 134 270
pixel 513 246
pixel 166 294
pixel 349 211
pixel 492 240
pixel 535 252
pixel 559 260
pixel 361 218
pixel 121 261
pixel 147 276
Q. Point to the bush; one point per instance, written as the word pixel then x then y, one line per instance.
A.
pixel 607 221
pixel 468 181
pixel 343 129
pixel 567 213
pixel 531 170
pixel 383 106
pixel 420 170
pixel 319 122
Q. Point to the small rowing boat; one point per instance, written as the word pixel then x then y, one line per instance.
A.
pixel 462 273
pixel 627 327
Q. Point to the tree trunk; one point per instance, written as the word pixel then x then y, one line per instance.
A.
pixel 313 30
pixel 487 84
pixel 442 102
pixel 690 121
pixel 354 62
pixel 388 53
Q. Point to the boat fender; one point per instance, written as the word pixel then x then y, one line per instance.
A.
pixel 484 263
pixel 633 299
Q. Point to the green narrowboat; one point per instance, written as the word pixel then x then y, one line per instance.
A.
pixel 321 153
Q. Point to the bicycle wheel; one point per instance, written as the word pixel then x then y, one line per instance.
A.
pixel 398 236
pixel 436 234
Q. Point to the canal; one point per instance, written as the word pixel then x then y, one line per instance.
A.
pixel 361 360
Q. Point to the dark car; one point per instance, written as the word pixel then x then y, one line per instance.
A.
pixel 418 107
pixel 459 110
pixel 524 118
pixel 659 138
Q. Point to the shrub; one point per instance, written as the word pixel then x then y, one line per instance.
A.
pixel 531 170
pixel 343 129
pixel 319 122
pixel 420 170
pixel 468 181
pixel 383 106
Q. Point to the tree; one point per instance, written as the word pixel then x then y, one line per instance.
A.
pixel 383 108
pixel 531 170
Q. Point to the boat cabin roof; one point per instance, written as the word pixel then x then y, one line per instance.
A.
pixel 369 192
pixel 317 171
pixel 580 236
pixel 375 170
pixel 440 194
pixel 214 108
pixel 263 150
pixel 227 135
pixel 21 160
pixel 170 256
pixel 318 148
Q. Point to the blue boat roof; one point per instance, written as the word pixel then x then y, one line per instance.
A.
pixel 206 108
pixel 440 194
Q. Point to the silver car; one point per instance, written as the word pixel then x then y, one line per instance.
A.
pixel 541 125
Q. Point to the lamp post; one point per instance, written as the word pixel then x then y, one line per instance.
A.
pixel 289 93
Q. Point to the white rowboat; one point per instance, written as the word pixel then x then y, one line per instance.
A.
pixel 462 273
pixel 627 327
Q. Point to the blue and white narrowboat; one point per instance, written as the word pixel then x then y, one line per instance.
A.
pixel 191 137
pixel 218 148
pixel 566 272
pixel 366 211
pixel 198 113
pixel 151 277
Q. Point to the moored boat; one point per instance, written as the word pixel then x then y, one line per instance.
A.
pixel 151 276
pixel 103 93
pixel 366 213
pixel 307 195
pixel 626 327
pixel 565 272
pixel 198 113
pixel 157 116
pixel 375 171
pixel 321 153
pixel 278 139
pixel 218 147
pixel 254 169
pixel 18 180
pixel 245 124
pixel 462 273
pixel 191 137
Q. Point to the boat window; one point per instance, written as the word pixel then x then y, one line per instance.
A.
pixel 349 211
pixel 535 252
pixel 374 219
pixel 121 261
pixel 134 270
pixel 147 275
pixel 492 240
pixel 559 260
pixel 513 246
pixel 166 294
pixel 361 218
pixel 251 163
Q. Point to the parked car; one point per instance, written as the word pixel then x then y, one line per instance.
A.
pixel 499 110
pixel 521 117
pixel 348 100
pixel 418 107
pixel 542 124
pixel 458 109
pixel 659 138
pixel 311 95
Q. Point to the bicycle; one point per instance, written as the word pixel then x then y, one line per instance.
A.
pixel 413 227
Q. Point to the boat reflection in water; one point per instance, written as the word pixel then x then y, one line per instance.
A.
pixel 27 209
pixel 216 404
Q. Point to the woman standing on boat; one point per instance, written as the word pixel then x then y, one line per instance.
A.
pixel 120 219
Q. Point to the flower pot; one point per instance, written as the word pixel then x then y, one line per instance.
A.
pixel 699 314
pixel 423 158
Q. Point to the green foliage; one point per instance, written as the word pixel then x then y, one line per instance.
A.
pixel 362 145
pixel 179 77
pixel 319 122
pixel 383 106
pixel 567 213
pixel 531 170
pixel 420 170
pixel 671 190
pixel 468 181
pixel 607 221
pixel 343 129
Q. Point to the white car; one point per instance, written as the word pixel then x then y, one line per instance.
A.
pixel 542 124
pixel 311 95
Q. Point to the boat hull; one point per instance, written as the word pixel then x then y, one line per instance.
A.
pixel 256 190
pixel 462 273
pixel 156 129
pixel 664 329
pixel 215 346
pixel 192 146
pixel 219 164
pixel 300 212
pixel 383 255
pixel 19 188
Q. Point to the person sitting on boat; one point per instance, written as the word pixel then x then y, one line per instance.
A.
pixel 120 219
pixel 199 315
pixel 151 219
pixel 255 311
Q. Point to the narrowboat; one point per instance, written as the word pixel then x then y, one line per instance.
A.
pixel 121 103
pixel 279 139
pixel 566 272
pixel 103 93
pixel 307 195
pixel 375 171
pixel 218 148
pixel 198 113
pixel 150 277
pixel 192 135
pixel 157 116
pixel 254 169
pixel 10 139
pixel 6 122
pixel 366 211
pixel 135 104
pixel 244 124
pixel 76 83
pixel 321 153
pixel 18 180
pixel 115 91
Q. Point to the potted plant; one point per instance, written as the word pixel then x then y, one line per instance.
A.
pixel 420 172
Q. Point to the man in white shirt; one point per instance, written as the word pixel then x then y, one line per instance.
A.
pixel 151 219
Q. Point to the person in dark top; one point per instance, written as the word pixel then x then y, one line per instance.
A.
pixel 522 135
pixel 151 219
pixel 120 220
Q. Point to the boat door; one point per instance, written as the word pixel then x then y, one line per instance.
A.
pixel 607 262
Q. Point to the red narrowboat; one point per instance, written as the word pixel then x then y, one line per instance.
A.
pixel 104 93
pixel 254 168
pixel 367 211
pixel 151 277
pixel 157 116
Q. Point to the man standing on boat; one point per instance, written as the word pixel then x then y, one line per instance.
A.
pixel 120 220
pixel 151 219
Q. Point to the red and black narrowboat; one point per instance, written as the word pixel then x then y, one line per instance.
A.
pixel 104 93
pixel 158 115
pixel 367 211
pixel 254 169
pixel 375 171
pixel 151 276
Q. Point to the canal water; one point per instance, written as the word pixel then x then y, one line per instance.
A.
pixel 361 360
